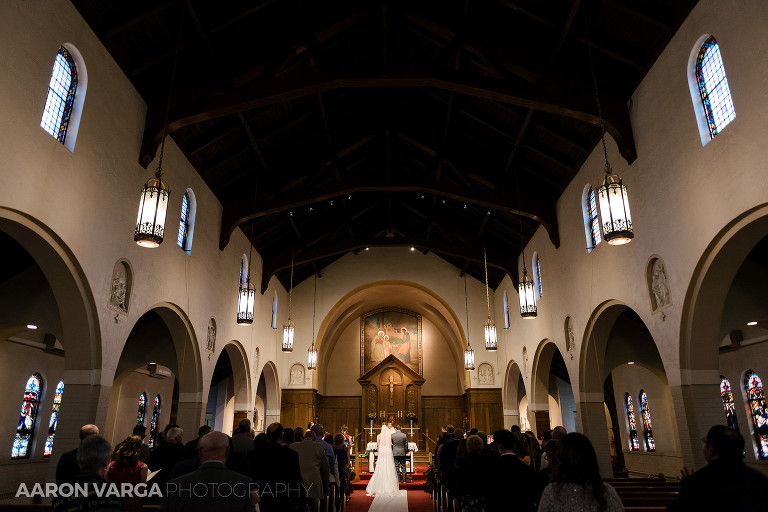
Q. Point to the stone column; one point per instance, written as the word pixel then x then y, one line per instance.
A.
pixel 698 407
pixel 591 418
pixel 189 415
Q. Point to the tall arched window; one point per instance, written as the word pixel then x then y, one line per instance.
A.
pixel 61 96
pixel 142 409
pixel 758 409
pixel 730 407
pixel 274 310
pixel 591 220
pixel 713 87
pixel 243 270
pixel 645 414
pixel 506 310
pixel 54 421
pixel 26 425
pixel 187 222
pixel 634 444
pixel 155 425
pixel 536 264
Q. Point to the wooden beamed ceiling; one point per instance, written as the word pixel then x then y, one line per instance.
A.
pixel 330 127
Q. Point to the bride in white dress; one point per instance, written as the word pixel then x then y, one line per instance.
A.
pixel 384 481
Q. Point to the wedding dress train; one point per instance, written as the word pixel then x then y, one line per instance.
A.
pixel 384 481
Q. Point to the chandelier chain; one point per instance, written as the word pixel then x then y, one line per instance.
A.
pixel 487 294
pixel 159 171
pixel 290 288
pixel 466 307
pixel 314 308
pixel 597 96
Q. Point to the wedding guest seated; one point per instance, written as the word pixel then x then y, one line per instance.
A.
pixel 511 480
pixel 93 457
pixel 725 483
pixel 276 471
pixel 216 487
pixel 127 468
pixel 67 468
pixel 473 473
pixel 576 483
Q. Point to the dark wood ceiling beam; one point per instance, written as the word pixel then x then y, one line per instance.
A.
pixel 577 102
pixel 626 9
pixel 539 209
pixel 280 260
pixel 136 20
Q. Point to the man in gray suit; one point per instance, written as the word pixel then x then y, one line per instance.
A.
pixel 314 467
pixel 399 452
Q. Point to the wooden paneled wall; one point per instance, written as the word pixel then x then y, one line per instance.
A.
pixel 335 411
pixel 297 407
pixel 439 411
pixel 485 409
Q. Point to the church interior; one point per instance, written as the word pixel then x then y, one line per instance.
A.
pixel 356 211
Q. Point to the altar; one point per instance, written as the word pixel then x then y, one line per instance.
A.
pixel 372 447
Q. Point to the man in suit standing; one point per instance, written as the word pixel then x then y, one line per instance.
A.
pixel 213 486
pixel 275 469
pixel 399 452
pixel 315 470
pixel 67 468
pixel 512 479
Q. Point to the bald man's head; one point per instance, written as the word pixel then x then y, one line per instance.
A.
pixel 88 430
pixel 213 446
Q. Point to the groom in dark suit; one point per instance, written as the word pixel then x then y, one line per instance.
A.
pixel 399 452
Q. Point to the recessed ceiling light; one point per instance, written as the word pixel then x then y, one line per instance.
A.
pixel 752 323
pixel 367 248
pixel 30 326
pixel 631 362
pixel 413 248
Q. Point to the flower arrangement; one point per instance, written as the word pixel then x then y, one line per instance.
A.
pixel 411 416
pixel 371 416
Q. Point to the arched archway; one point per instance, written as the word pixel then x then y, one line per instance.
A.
pixel 43 284
pixel 714 335
pixel 619 357
pixel 162 338
pixel 268 390
pixel 551 398
pixel 512 393
pixel 229 395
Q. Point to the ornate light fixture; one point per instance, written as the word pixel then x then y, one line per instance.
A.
pixel 469 354
pixel 312 351
pixel 525 290
pixel 289 327
pixel 612 193
pixel 153 204
pixel 245 298
pixel 490 327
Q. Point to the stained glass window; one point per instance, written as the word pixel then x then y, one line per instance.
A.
pixel 142 409
pixel 26 426
pixel 181 241
pixel 634 443
pixel 274 311
pixel 53 422
pixel 506 310
pixel 759 411
pixel 730 408
pixel 155 425
pixel 713 87
pixel 594 222
pixel 645 413
pixel 538 275
pixel 243 270
pixel 61 95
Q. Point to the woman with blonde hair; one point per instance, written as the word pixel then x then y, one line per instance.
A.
pixel 127 468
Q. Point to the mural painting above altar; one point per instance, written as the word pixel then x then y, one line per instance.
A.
pixel 390 331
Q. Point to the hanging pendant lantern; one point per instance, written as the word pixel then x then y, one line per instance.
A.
pixel 469 358
pixel 614 209
pixel 312 358
pixel 150 224
pixel 289 327
pixel 245 299
pixel 312 351
pixel 490 327
pixel 527 296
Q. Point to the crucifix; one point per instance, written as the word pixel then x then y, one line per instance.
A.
pixel 392 385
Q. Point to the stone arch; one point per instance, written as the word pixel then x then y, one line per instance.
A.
pixel 702 327
pixel 71 320
pixel 268 389
pixel 241 375
pixel 551 395
pixel 512 392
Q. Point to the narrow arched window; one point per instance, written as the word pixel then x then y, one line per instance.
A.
pixel 758 409
pixel 537 273
pixel 154 427
pixel 244 271
pixel 142 409
pixel 713 87
pixel 591 220
pixel 645 414
pixel 26 425
pixel 728 404
pixel 61 96
pixel 274 310
pixel 187 222
pixel 634 443
pixel 54 421
pixel 506 310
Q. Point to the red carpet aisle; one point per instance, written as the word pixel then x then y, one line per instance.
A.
pixel 418 500
pixel 416 485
